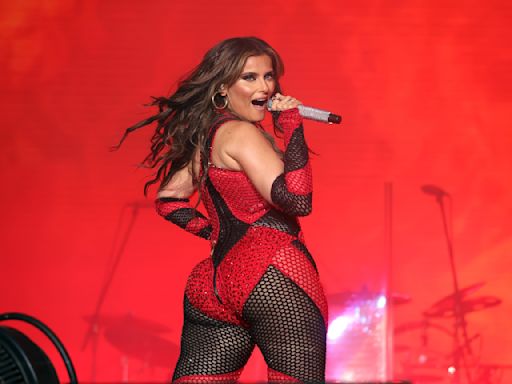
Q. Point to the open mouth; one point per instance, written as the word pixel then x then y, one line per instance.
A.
pixel 259 102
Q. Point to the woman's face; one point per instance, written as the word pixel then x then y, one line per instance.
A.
pixel 248 96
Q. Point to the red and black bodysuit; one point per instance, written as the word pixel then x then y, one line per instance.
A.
pixel 260 286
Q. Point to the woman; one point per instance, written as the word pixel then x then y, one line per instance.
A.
pixel 260 285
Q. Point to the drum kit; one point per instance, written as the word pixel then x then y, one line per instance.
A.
pixel 423 357
pixel 429 352
pixel 461 365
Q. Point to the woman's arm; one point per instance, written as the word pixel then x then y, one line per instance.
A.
pixel 294 187
pixel 173 204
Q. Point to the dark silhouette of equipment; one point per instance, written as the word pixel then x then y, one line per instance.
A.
pixel 22 361
pixel 424 363
pixel 138 338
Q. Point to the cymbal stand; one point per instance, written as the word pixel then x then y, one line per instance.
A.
pixel 460 350
pixel 93 330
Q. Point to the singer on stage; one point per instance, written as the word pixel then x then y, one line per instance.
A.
pixel 259 286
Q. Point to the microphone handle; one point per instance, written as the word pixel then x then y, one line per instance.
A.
pixel 318 115
pixel 314 114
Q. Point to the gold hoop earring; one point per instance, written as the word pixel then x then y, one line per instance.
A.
pixel 216 106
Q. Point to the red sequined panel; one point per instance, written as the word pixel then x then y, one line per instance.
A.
pixel 243 267
pixel 199 291
pixel 295 265
pixel 239 194
pixel 212 215
pixel 225 378
pixel 278 377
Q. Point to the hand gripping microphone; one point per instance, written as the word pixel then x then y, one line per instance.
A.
pixel 314 114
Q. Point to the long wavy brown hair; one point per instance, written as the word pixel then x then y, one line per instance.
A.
pixel 184 117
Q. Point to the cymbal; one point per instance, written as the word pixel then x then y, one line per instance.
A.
pixel 147 347
pixel 128 321
pixel 346 297
pixel 449 300
pixel 421 326
pixel 467 305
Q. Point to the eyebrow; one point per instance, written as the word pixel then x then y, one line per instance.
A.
pixel 254 73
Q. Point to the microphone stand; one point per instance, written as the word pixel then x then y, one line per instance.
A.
pixel 93 330
pixel 388 228
pixel 459 352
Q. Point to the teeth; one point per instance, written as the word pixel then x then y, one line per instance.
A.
pixel 259 102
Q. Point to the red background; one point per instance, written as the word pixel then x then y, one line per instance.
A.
pixel 424 88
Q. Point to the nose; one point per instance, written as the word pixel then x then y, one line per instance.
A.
pixel 264 85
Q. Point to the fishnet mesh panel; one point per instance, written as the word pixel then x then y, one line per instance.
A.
pixel 292 204
pixel 301 247
pixel 180 212
pixel 209 346
pixel 296 154
pixel 288 327
pixel 279 221
pixel 292 190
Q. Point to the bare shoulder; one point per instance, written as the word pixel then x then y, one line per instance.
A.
pixel 240 128
pixel 239 142
pixel 237 132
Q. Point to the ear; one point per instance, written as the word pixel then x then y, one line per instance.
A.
pixel 222 90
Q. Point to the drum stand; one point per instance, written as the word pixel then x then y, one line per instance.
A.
pixel 461 342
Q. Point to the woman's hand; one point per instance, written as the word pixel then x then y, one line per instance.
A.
pixel 282 103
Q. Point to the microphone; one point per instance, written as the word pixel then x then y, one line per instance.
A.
pixel 314 114
pixel 430 189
